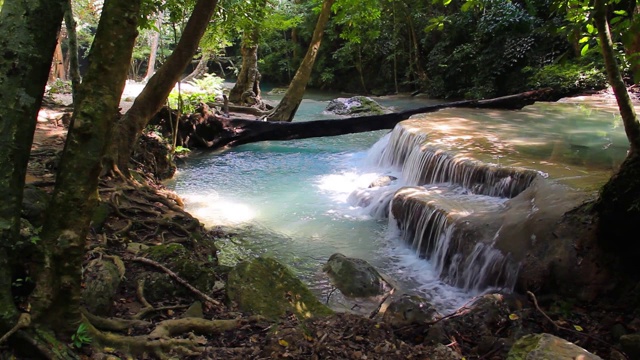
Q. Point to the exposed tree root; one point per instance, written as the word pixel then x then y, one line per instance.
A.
pixel 111 324
pixel 24 320
pixel 204 297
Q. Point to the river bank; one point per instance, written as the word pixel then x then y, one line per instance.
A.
pixel 131 224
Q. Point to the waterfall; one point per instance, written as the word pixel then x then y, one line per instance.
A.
pixel 446 207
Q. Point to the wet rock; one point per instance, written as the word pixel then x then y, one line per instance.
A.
pixel 383 181
pixel 265 287
pixel 631 345
pixel 409 309
pixel 102 279
pixel 355 106
pixel 277 91
pixel 547 346
pixel 34 204
pixel 354 277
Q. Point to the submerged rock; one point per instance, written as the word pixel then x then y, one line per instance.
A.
pixel 409 309
pixel 354 277
pixel 265 287
pixel 355 106
pixel 547 346
pixel 383 181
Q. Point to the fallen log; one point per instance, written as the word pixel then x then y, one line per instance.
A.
pixel 215 132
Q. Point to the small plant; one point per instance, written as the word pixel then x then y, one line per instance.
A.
pixel 81 337
pixel 59 87
pixel 181 150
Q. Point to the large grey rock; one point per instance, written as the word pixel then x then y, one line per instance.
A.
pixel 383 181
pixel 409 309
pixel 547 347
pixel 355 106
pixel 265 287
pixel 354 277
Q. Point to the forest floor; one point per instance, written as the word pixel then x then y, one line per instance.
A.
pixel 144 213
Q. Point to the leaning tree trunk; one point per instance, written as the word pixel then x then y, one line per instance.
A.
pixel 153 53
pixel 619 203
pixel 28 35
pixel 72 35
pixel 154 94
pixel 201 68
pixel 56 299
pixel 286 109
pixel 249 77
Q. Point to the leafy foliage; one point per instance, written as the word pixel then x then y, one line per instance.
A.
pixel 568 78
pixel 204 90
pixel 81 337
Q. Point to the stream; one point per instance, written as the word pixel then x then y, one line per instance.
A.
pixel 295 200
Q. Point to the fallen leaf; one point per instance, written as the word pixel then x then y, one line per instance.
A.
pixel 514 317
pixel 578 327
pixel 283 342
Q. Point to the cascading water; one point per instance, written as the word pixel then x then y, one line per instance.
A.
pixel 303 200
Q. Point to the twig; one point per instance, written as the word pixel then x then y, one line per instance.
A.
pixel 558 327
pixel 377 309
pixel 24 320
pixel 178 279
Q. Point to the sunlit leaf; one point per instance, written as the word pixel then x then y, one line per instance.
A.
pixel 513 317
pixel 590 29
pixel 584 39
pixel 620 12
pixel 584 49
pixel 578 328
pixel 283 342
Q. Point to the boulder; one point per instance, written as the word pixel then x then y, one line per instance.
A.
pixel 354 277
pixel 409 309
pixel 34 203
pixel 265 287
pixel 102 279
pixel 547 347
pixel 355 106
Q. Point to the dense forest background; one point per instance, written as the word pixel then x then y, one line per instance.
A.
pixel 450 49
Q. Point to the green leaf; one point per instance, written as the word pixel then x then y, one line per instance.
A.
pixel 584 39
pixel 584 49
pixel 620 12
pixel 590 29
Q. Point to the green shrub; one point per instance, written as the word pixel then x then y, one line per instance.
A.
pixel 567 78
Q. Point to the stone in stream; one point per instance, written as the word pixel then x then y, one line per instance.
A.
pixel 354 277
pixel 383 181
pixel 547 347
pixel 355 106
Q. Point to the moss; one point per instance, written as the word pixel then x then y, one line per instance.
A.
pixel 163 253
pixel 523 346
pixel 100 215
pixel 264 286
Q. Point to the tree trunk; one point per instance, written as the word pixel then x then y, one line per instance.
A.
pixel 72 35
pixel 153 53
pixel 249 76
pixel 57 65
pixel 619 203
pixel 221 132
pixel 201 68
pixel 286 109
pixel 56 299
pixel 28 35
pixel 155 93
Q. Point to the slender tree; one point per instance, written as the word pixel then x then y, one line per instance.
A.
pixel 74 65
pixel 154 94
pixel 153 53
pixel 286 109
pixel 28 33
pixel 249 76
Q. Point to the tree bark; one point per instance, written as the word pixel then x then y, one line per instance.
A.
pixel 155 93
pixel 286 109
pixel 155 40
pixel 221 132
pixel 201 68
pixel 249 76
pixel 28 35
pixel 56 298
pixel 619 203
pixel 72 35
pixel 57 65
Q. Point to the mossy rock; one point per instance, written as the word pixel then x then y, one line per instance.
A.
pixel 102 279
pixel 100 214
pixel 409 309
pixel 265 287
pixel 34 204
pixel 547 347
pixel 201 273
pixel 354 277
